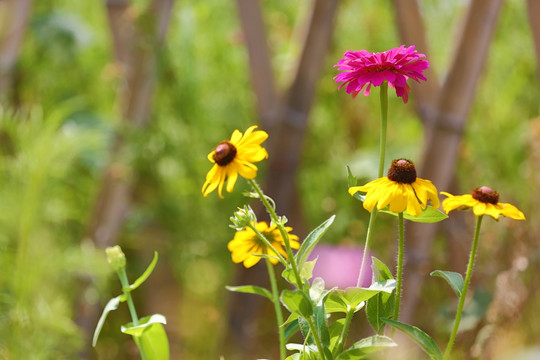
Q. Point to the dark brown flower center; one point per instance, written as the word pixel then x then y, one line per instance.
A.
pixel 402 171
pixel 486 195
pixel 224 153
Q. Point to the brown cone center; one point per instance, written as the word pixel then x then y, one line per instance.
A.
pixel 486 195
pixel 224 153
pixel 402 171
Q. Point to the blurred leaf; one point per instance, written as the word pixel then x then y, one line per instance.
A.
pixel 366 346
pixel 421 338
pixel 428 215
pixel 251 289
pixel 335 330
pixel 454 279
pixel 306 272
pixel 296 301
pixel 150 336
pixel 353 297
pixel 292 328
pixel 141 279
pixel 111 305
pixel 319 315
pixel 311 240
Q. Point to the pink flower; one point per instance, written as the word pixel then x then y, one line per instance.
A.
pixel 395 66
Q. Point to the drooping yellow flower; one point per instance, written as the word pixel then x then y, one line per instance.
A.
pixel 246 244
pixel 234 157
pixel 401 190
pixel 483 201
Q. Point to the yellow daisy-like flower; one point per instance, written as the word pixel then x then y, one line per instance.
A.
pixel 401 190
pixel 233 157
pixel 246 244
pixel 483 201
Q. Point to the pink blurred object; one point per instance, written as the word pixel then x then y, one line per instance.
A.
pixel 339 266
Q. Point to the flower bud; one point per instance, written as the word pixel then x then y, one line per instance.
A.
pixel 116 257
pixel 243 217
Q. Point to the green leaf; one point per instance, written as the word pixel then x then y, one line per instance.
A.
pixel 306 272
pixel 355 296
pixel 251 289
pixel 144 276
pixel 296 301
pixel 454 279
pixel 380 270
pixel 150 336
pixel 351 179
pixel 382 304
pixel 335 331
pixel 418 336
pixel 292 328
pixel 366 346
pixel 428 215
pixel 111 305
pixel 311 240
pixel 321 325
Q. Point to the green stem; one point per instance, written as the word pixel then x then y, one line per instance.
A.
pixel 316 337
pixel 277 308
pixel 399 271
pixel 134 318
pixel 125 284
pixel 268 243
pixel 384 121
pixel 382 155
pixel 282 230
pixel 466 283
pixel 344 332
pixel 369 235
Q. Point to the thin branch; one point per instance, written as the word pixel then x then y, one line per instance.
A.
pixel 260 63
pixel 533 7
pixel 13 20
pixel 412 32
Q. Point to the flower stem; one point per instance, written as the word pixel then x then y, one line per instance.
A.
pixel 134 318
pixel 124 281
pixel 268 243
pixel 282 230
pixel 399 271
pixel 384 121
pixel 466 283
pixel 369 235
pixel 277 308
pixel 382 155
pixel 344 332
pixel 316 337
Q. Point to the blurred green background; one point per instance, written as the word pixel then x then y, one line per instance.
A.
pixel 57 127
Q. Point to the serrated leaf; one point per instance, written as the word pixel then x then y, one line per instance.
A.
pixel 366 346
pixel 419 337
pixel 428 215
pixel 150 336
pixel 296 301
pixel 311 240
pixel 454 279
pixel 144 275
pixel 251 289
pixel 111 306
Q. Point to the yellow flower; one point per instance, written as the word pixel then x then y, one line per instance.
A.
pixel 401 190
pixel 246 244
pixel 483 201
pixel 233 157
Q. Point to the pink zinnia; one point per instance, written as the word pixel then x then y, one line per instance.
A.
pixel 395 66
